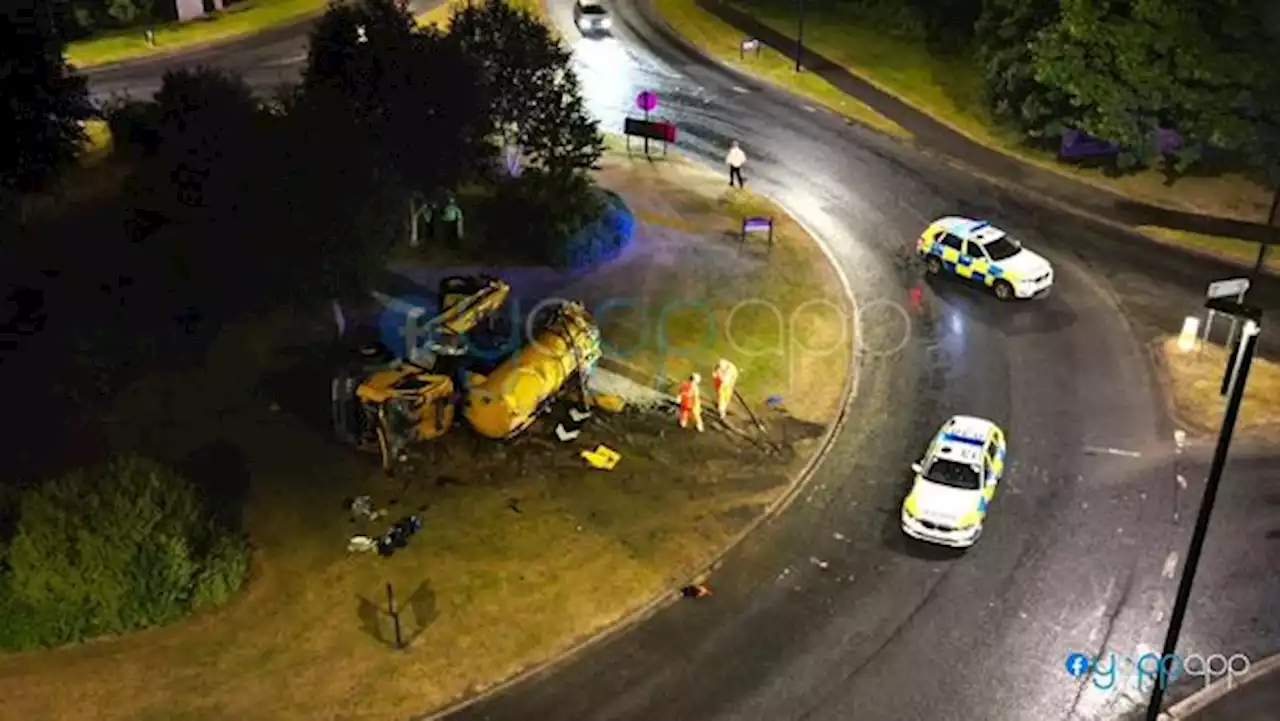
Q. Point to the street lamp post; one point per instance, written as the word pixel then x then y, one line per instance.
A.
pixel 1239 374
pixel 800 39
pixel 1273 225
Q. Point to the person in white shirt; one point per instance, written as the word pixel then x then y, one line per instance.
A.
pixel 736 159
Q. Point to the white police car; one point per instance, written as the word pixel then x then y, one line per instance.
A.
pixel 955 482
pixel 982 253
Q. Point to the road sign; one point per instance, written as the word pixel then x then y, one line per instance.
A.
pixel 647 100
pixel 1227 288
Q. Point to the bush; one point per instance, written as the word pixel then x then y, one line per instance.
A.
pixel 601 240
pixel 533 216
pixel 117 547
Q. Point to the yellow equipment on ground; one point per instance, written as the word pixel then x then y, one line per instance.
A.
pixel 509 399
pixel 405 401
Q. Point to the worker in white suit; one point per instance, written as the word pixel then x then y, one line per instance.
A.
pixel 724 379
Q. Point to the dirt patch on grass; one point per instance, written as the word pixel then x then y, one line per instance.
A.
pixel 1192 381
pixel 523 550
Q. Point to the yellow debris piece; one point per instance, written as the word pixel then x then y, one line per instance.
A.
pixel 611 403
pixel 603 457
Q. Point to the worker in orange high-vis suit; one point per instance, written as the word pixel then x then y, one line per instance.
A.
pixel 723 379
pixel 691 403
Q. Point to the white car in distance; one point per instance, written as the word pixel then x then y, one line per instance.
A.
pixel 591 17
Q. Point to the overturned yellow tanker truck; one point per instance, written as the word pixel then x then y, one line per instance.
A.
pixel 506 401
pixel 387 403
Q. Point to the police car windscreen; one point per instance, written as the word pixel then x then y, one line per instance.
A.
pixel 956 475
pixel 592 10
pixel 1001 248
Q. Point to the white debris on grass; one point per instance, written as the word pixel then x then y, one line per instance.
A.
pixel 636 395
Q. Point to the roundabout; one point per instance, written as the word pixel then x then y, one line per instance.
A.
pixel 827 611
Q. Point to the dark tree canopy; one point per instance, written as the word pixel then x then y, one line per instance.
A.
pixel 1005 52
pixel 44 103
pixel 1130 67
pixel 534 94
pixel 406 94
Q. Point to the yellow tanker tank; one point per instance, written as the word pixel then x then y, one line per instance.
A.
pixel 509 399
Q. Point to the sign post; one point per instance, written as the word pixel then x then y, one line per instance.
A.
pixel 756 225
pixel 1224 289
pixel 647 100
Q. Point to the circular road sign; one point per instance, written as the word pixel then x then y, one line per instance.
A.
pixel 647 100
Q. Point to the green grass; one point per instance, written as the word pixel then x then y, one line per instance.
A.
pixel 244 18
pixel 722 42
pixel 949 89
pixel 1234 250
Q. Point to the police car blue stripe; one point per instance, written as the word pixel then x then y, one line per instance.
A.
pixel 964 439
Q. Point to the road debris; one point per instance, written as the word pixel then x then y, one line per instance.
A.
pixel 603 457
pixel 695 590
pixel 361 544
pixel 839 536
pixel 819 563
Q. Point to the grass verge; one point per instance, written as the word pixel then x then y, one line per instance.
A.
pixel 523 550
pixel 1194 379
pixel 721 41
pixel 949 89
pixel 1233 250
pixel 243 18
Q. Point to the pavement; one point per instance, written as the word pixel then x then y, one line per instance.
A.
pixel 939 137
pixel 1256 698
pixel 826 612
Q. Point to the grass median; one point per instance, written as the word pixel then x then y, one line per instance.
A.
pixel 1194 377
pixel 1233 250
pixel 720 40
pixel 523 550
pixel 240 19
pixel 950 90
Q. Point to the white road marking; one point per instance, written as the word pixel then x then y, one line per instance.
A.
pixel 1095 450
pixel 740 89
pixel 810 108
pixel 1170 565
pixel 1182 481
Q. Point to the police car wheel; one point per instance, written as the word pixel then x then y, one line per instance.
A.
pixel 933 265
pixel 1004 291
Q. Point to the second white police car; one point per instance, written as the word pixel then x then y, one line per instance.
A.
pixel 955 482
pixel 979 252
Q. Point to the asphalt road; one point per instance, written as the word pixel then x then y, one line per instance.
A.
pixel 826 613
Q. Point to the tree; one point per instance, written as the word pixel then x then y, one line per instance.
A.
pixel 1003 37
pixel 1129 67
pixel 120 546
pixel 534 95
pixel 407 95
pixel 45 103
pixel 205 182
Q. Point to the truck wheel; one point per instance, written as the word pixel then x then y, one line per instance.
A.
pixel 1004 291
pixel 933 265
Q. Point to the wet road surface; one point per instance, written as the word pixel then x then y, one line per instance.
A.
pixel 827 613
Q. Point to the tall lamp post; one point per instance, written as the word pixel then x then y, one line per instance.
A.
pixel 1273 225
pixel 800 41
pixel 1236 374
